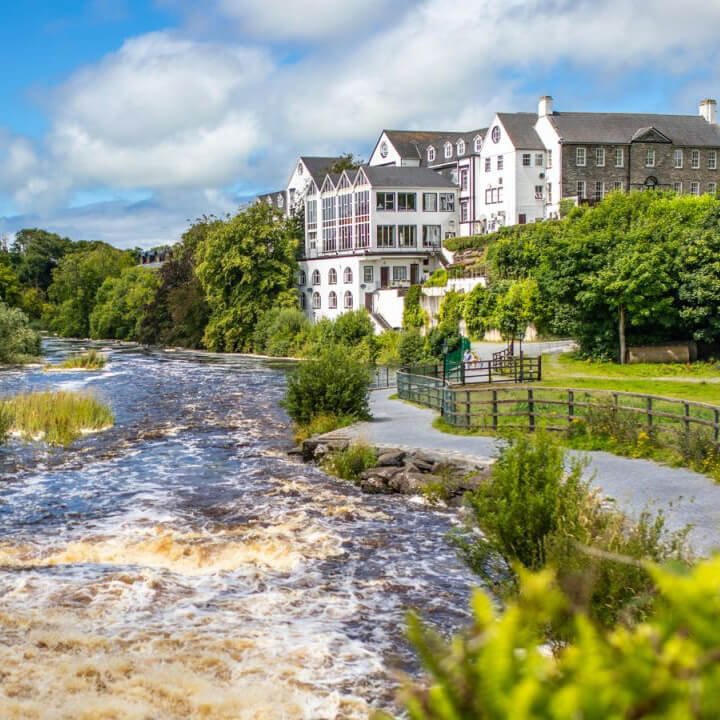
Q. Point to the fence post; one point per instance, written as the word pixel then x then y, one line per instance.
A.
pixel 490 373
pixel 539 360
pixel 531 409
pixel 467 408
pixel 649 404
pixel 686 418
pixel 495 409
pixel 717 425
pixel 571 406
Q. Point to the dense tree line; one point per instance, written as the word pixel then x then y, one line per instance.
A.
pixel 636 268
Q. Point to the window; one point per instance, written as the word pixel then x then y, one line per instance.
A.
pixel 316 301
pixel 493 195
pixel 448 150
pixel 500 162
pixel 316 277
pixel 599 189
pixel 348 276
pixel 332 300
pixel 600 157
pixel 694 188
pixel 712 159
pixel 406 201
pixel 385 201
pixel 581 189
pixel 460 147
pixel 678 158
pixel 348 301
pixel 538 192
pixel 695 159
pixel 363 235
pixel 477 144
pixel 549 159
pixel 430 202
pixel 301 277
pixel 712 188
pixel 447 202
pixel 332 276
pixel 431 154
pixel 399 273
pixel 386 236
pixel 580 157
pixel 618 185
pixel 368 274
pixel 650 158
pixel 464 211
pixel 522 219
pixel 431 236
pixel 407 236
pixel 538 159
pixel 487 165
pixel 677 187
pixel 526 159
pixel 619 157
pixel 311 212
pixel 302 301
pixel 280 201
pixel 464 176
pixel 549 192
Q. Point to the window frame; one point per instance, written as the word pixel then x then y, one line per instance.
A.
pixel 347 273
pixel 712 163
pixel 348 296
pixel 371 274
pixel 695 188
pixel 392 233
pixel 427 195
pixel 437 230
pixel 315 279
pixel 332 276
pixel 406 196
pixel 527 159
pixel 450 202
pixel 402 241
pixel 580 152
pixel 678 159
pixel 599 157
pixel 488 164
pixel 431 154
pixel 650 157
pixel 386 195
pixel 460 148
pixel 619 156
pixel 332 300
pixel 316 301
pixel 581 193
pixel 395 275
pixel 695 159
pixel 447 147
pixel 539 159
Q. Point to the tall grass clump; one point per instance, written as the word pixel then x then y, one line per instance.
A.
pixel 58 417
pixel 537 512
pixel 348 464
pixel 91 360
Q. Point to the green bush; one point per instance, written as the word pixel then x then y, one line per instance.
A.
pixel 451 308
pixel 438 279
pixel 91 360
pixel 411 350
pixel 18 341
pixel 444 336
pixel 281 332
pixel 388 348
pixel 333 383
pixel 414 317
pixel 497 669
pixel 348 464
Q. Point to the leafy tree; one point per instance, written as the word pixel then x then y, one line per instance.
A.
pixel 246 265
pixel 76 281
pixel 478 309
pixel 515 308
pixel 36 253
pixel 412 348
pixel 281 332
pixel 445 337
pixel 451 308
pixel 122 303
pixel 10 291
pixel 18 340
pixel 347 161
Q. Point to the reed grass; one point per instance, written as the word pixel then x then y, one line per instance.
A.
pixel 58 417
pixel 91 360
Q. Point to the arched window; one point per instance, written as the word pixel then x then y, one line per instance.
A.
pixel 478 143
pixel 332 276
pixel 280 201
pixel 332 300
pixel 316 301
pixel 431 154
pixel 347 276
pixel 448 149
pixel 460 147
pixel 302 301
pixel 301 277
pixel 348 301
pixel 316 277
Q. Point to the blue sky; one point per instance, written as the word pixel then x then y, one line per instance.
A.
pixel 122 119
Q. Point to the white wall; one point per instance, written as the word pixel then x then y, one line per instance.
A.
pixel 550 139
pixel 393 157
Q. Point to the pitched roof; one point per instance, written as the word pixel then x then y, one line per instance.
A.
pixel 318 166
pixel 272 199
pixel 621 128
pixel 414 143
pixel 520 127
pixel 411 177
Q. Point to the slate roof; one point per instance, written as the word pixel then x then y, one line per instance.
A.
pixel 414 143
pixel 272 197
pixel 620 128
pixel 411 177
pixel 520 128
pixel 318 166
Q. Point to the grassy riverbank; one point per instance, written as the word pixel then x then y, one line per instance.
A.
pixel 57 418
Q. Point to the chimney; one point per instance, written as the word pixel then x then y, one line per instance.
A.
pixel 545 106
pixel 708 110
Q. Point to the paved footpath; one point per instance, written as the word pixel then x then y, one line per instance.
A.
pixel 686 497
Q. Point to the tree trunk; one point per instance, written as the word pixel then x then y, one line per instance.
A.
pixel 621 333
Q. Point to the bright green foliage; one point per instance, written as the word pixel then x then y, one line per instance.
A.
pixel 665 667
pixel 246 265
pixel 10 290
pixel 352 330
pixel 281 332
pixel 388 346
pixel 477 311
pixel 451 308
pixel 76 281
pixel 18 341
pixel 412 348
pixel 35 254
pixel 515 307
pixel 414 317
pixel 121 304
pixel 443 338
pixel 91 360
pixel 331 383
pixel 438 279
pixel 348 464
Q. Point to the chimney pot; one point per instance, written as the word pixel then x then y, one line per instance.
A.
pixel 708 110
pixel 545 105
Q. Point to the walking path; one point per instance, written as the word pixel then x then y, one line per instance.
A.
pixel 686 497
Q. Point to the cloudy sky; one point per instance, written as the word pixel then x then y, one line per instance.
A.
pixel 122 119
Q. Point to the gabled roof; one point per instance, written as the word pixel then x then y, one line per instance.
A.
pixel 414 143
pixel 520 127
pixel 411 177
pixel 650 134
pixel 318 166
pixel 621 128
pixel 272 199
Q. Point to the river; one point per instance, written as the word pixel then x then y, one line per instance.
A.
pixel 180 565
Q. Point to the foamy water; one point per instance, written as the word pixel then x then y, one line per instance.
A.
pixel 179 565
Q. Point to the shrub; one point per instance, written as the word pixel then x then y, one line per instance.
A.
pixel 438 279
pixel 451 308
pixel 411 348
pixel 281 332
pixel 497 668
pixel 333 383
pixel 18 341
pixel 91 360
pixel 348 464
pixel 414 317
pixel 388 345
pixel 444 336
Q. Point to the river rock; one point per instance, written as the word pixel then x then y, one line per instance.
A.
pixel 420 465
pixel 410 483
pixel 385 473
pixel 374 484
pixel 390 458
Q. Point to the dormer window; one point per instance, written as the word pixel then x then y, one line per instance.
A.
pixel 300 169
pixel 431 154
pixel 280 201
pixel 460 147
pixel 477 144
pixel 448 150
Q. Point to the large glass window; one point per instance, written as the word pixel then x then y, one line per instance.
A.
pixel 431 236
pixel 406 201
pixel 464 179
pixel 311 212
pixel 430 202
pixel 385 200
pixel 399 273
pixel 386 236
pixel 407 236
pixel 464 211
pixel 447 202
